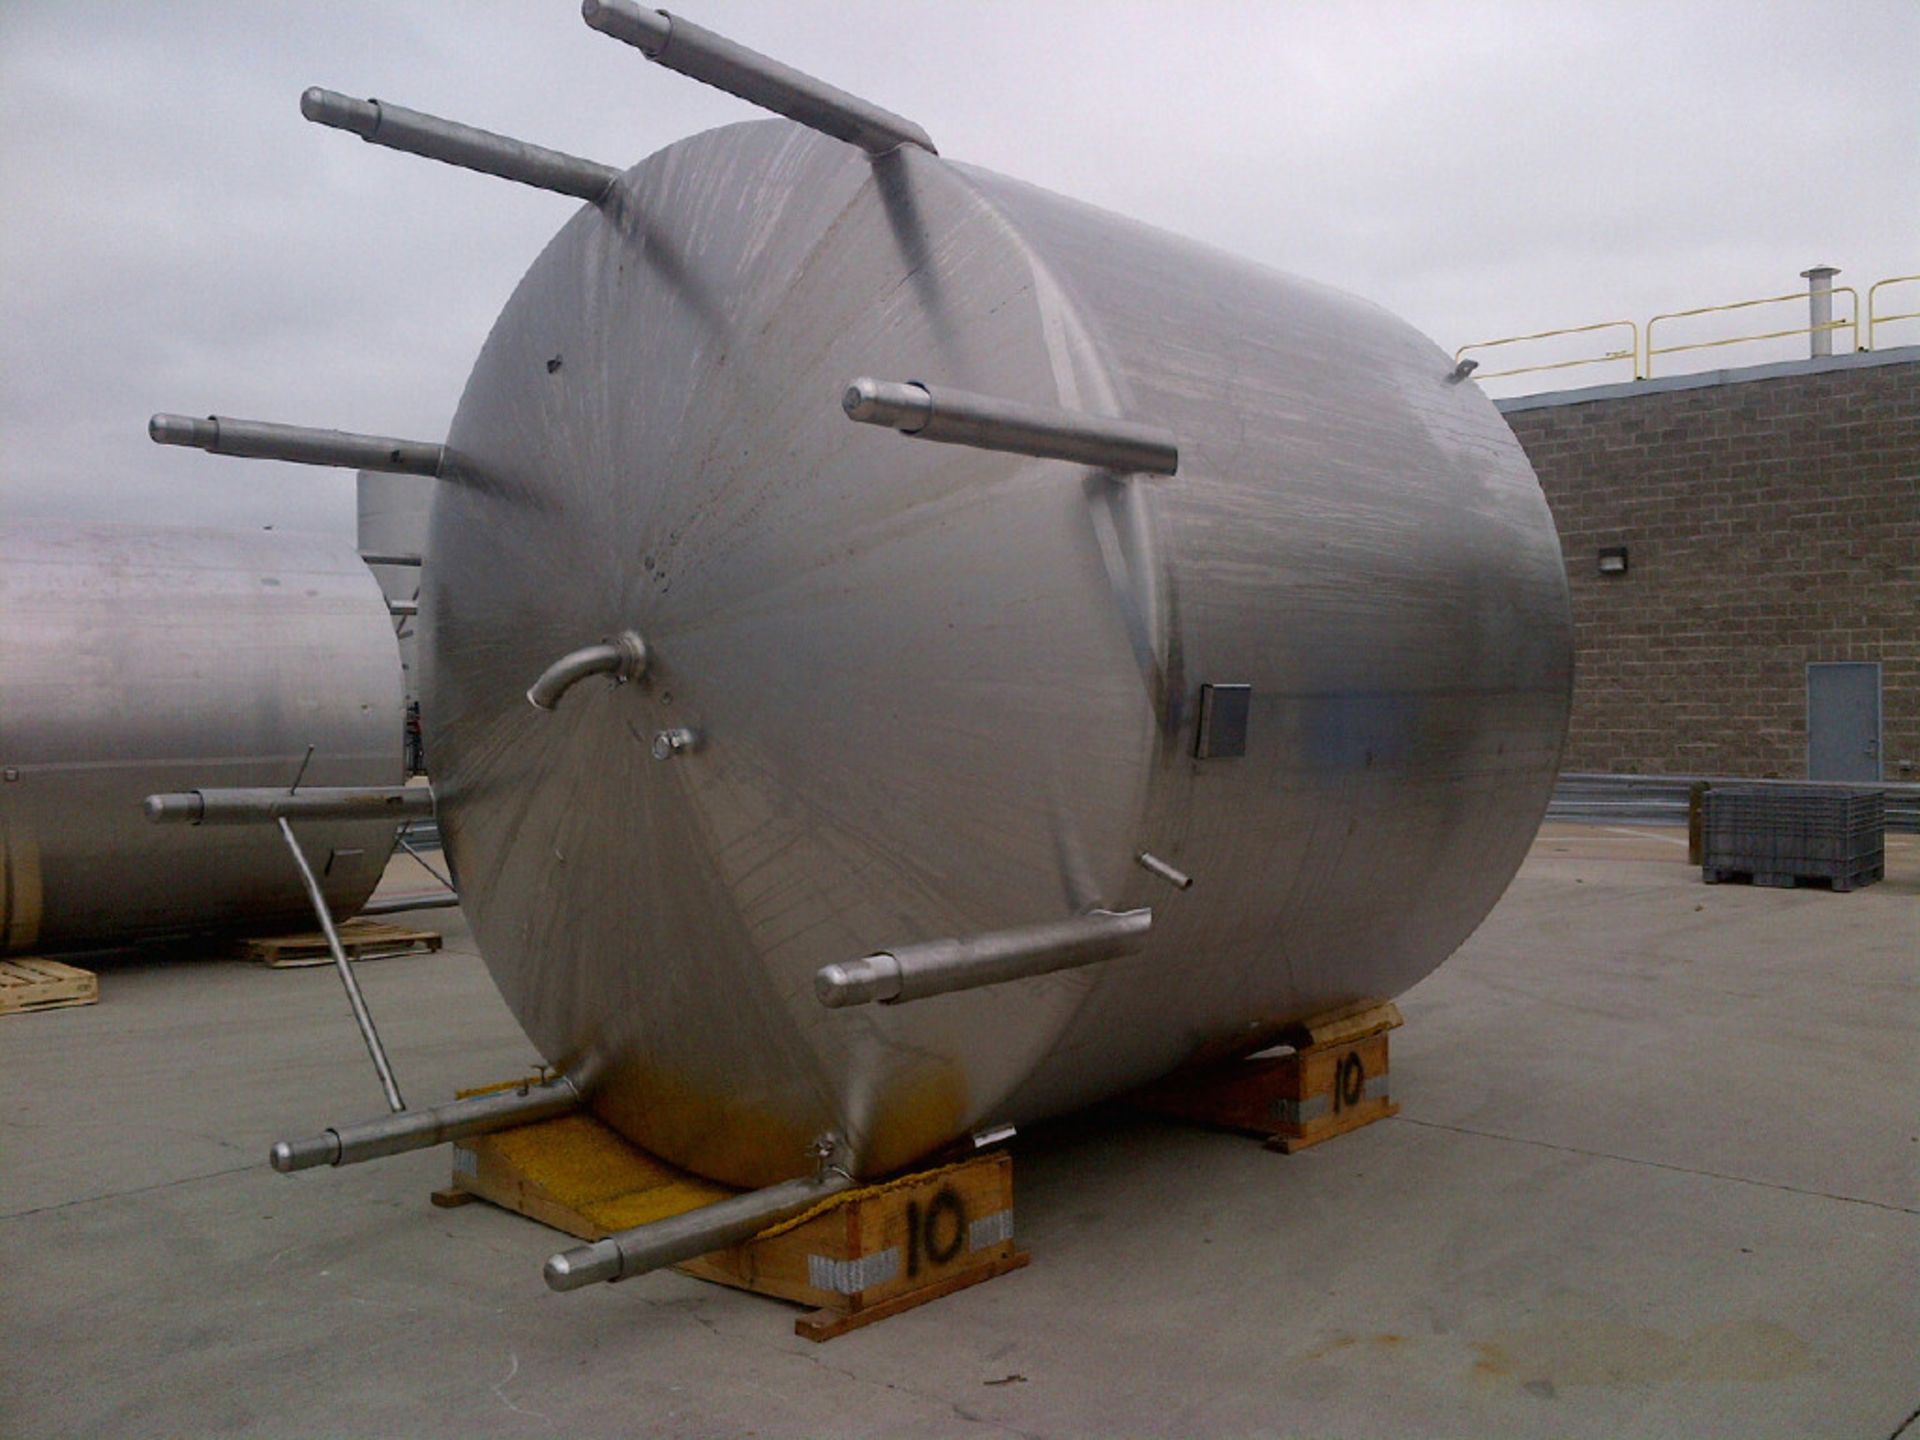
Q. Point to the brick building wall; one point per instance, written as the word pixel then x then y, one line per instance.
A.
pixel 1771 519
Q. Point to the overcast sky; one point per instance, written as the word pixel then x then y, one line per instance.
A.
pixel 175 237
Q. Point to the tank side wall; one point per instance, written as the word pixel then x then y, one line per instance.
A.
pixel 1362 542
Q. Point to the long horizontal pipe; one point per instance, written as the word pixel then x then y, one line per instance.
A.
pixel 627 1253
pixel 451 143
pixel 417 1129
pixel 986 422
pixel 939 967
pixel 759 79
pixel 259 440
pixel 264 806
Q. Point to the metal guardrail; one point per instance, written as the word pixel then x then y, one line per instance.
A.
pixel 1641 350
pixel 1662 799
pixel 1874 317
pixel 1799 295
pixel 1630 354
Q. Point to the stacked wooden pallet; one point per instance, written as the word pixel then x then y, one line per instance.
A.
pixel 31 983
pixel 360 939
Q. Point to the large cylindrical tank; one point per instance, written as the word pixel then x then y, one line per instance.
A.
pixel 939 691
pixel 136 661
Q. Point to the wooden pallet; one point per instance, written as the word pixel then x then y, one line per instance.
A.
pixel 360 939
pixel 1335 1080
pixel 1790 879
pixel 31 983
pixel 855 1258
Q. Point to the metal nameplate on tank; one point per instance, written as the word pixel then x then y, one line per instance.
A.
pixel 1223 721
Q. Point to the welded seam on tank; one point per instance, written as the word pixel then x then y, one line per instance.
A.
pixel 1069 339
pixel 786 165
pixel 1071 345
pixel 918 270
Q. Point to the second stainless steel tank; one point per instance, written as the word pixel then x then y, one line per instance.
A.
pixel 135 661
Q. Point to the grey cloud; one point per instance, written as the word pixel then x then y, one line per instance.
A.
pixel 177 238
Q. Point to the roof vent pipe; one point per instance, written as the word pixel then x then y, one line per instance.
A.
pixel 1820 308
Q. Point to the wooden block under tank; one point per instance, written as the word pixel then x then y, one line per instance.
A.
pixel 856 1257
pixel 1334 1080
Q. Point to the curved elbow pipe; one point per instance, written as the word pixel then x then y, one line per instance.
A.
pixel 624 657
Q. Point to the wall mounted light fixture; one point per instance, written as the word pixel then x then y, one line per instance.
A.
pixel 1613 559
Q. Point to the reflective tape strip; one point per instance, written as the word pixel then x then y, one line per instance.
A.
pixel 1315 1107
pixel 850 1277
pixel 1298 1112
pixel 990 1229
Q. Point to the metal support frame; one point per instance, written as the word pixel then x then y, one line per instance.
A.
pixel 355 1000
pixel 939 967
pixel 418 1129
pixel 759 79
pixel 259 440
pixel 986 422
pixel 451 143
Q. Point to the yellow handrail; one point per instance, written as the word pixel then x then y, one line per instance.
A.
pixel 1642 357
pixel 1631 355
pixel 1800 295
pixel 1873 316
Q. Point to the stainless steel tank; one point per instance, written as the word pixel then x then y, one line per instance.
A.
pixel 141 660
pixel 930 691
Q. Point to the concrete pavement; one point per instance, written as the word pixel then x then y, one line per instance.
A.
pixel 1654 1174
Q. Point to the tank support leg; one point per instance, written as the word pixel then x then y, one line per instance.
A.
pixel 361 1015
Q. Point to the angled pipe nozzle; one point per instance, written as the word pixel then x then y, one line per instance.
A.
pixel 397 128
pixel 406 1130
pixel 939 967
pixel 262 805
pixel 699 54
pixel 627 1253
pixel 624 657
pixel 987 422
pixel 300 444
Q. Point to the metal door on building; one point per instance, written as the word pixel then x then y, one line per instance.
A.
pixel 1843 721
